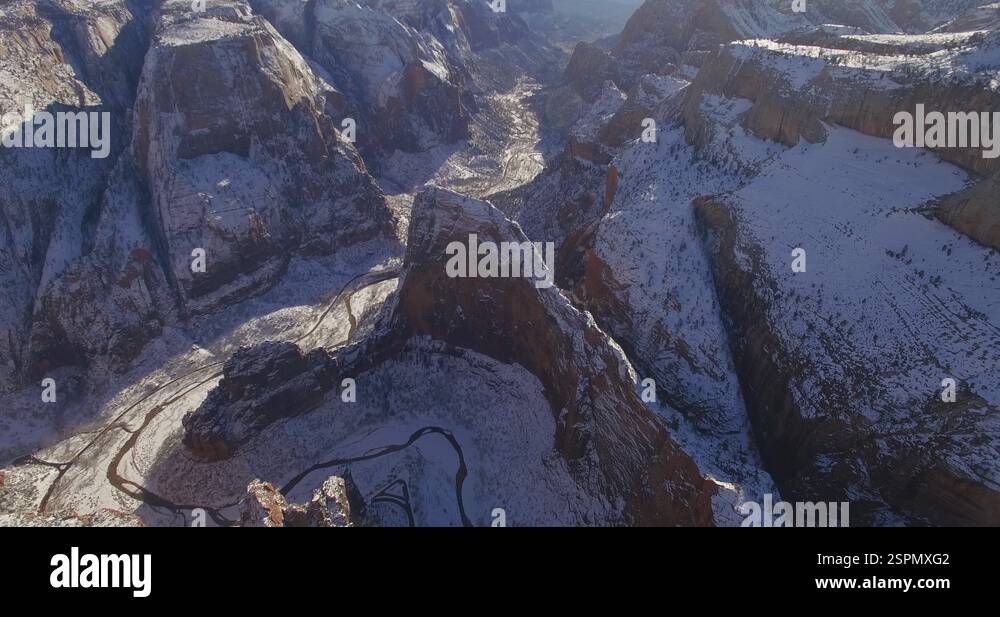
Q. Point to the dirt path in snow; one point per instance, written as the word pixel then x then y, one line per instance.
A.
pixel 179 387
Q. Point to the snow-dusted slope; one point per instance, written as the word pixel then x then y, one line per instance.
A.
pixel 326 259
pixel 59 57
pixel 670 263
pixel 891 305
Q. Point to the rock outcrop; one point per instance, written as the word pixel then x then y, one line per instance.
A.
pixel 635 263
pixel 234 160
pixel 840 442
pixel 702 24
pixel 261 384
pixel 795 89
pixel 604 430
pixel 589 68
pixel 403 67
pixel 56 57
pixel 264 506
pixel 612 443
pixel 975 211
pixel 236 142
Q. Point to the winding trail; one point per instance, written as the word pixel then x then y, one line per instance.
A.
pixel 401 501
pixel 145 496
pixel 460 475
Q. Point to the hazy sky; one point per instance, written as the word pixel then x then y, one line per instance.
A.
pixel 615 12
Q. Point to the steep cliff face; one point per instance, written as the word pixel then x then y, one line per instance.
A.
pixel 261 385
pixel 727 342
pixel 236 142
pixel 717 137
pixel 330 506
pixel 234 161
pixel 409 93
pixel 409 70
pixel 795 89
pixel 602 424
pixel 839 413
pixel 71 53
pixel 975 211
pixel 589 68
pixel 685 24
pixel 106 305
pixel 861 82
pixel 55 57
pixel 614 447
pixel 922 15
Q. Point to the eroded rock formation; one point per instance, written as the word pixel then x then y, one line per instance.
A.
pixel 330 506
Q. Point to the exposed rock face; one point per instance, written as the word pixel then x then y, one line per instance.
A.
pixel 631 263
pixel 975 211
pixel 605 432
pixel 409 71
pixel 588 69
pixel 409 92
pixel 56 56
pixel 795 89
pixel 579 186
pixel 983 17
pixel 841 444
pixel 265 506
pixel 702 24
pixel 611 441
pixel 261 384
pixel 665 32
pixel 106 305
pixel 922 15
pixel 234 150
pixel 224 139
pixel 71 53
pixel 401 85
pixel 237 144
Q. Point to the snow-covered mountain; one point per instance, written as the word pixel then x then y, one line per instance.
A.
pixel 683 248
pixel 245 311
